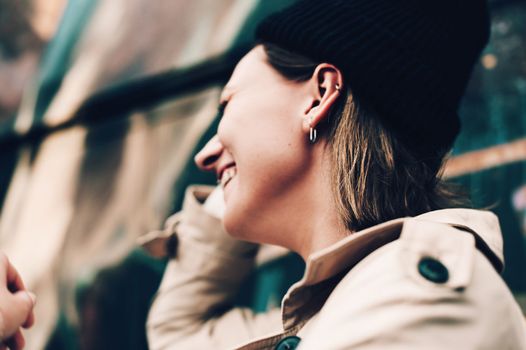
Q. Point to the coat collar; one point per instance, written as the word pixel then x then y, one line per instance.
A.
pixel 347 252
pixel 326 267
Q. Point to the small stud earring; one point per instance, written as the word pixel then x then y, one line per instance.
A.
pixel 338 88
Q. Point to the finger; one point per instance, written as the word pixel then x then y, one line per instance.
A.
pixel 21 304
pixel 14 281
pixel 30 321
pixel 16 342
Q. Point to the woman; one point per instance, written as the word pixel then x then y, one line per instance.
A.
pixel 333 133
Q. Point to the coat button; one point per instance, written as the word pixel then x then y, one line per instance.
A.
pixel 433 270
pixel 288 343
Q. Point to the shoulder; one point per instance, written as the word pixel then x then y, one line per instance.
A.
pixel 430 283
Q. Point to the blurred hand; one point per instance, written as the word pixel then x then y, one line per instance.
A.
pixel 215 203
pixel 16 306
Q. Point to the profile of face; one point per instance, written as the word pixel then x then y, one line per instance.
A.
pixel 261 153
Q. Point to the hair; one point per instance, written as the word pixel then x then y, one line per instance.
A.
pixel 374 176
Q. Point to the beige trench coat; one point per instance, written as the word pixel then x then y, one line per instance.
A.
pixel 429 282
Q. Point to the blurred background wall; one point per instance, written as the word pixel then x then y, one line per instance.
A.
pixel 102 106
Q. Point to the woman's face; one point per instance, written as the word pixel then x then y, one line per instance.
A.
pixel 260 151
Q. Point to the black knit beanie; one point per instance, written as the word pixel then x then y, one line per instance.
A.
pixel 409 59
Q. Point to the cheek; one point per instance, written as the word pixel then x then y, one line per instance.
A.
pixel 262 192
pixel 268 170
pixel 263 160
pixel 267 147
pixel 270 151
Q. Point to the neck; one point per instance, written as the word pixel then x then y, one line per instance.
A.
pixel 314 223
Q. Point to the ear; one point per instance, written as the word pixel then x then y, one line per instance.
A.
pixel 325 87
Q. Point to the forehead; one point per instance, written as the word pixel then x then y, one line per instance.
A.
pixel 252 69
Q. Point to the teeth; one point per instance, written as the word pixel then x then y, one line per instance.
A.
pixel 228 174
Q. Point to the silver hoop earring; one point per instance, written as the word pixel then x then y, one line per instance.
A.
pixel 312 135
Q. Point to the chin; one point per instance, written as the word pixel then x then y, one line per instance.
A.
pixel 239 226
pixel 232 224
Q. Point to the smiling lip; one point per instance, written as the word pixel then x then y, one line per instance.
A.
pixel 228 175
pixel 220 170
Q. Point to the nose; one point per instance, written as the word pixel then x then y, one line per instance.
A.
pixel 208 157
